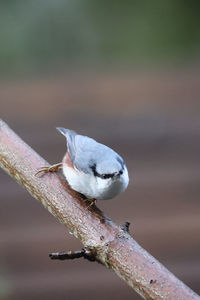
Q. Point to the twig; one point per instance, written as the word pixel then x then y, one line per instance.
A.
pixel 113 246
pixel 85 253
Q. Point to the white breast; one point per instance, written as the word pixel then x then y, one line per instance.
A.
pixel 95 187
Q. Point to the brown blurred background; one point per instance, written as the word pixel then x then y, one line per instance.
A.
pixel 128 75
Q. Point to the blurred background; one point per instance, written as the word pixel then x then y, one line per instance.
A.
pixel 126 73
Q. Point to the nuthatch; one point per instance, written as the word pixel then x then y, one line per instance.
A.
pixel 91 168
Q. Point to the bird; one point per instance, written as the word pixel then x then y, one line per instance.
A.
pixel 91 168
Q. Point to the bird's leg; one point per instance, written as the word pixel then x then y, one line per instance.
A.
pixel 52 168
pixel 92 202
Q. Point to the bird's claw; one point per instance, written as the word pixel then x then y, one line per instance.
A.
pixel 51 169
pixel 92 202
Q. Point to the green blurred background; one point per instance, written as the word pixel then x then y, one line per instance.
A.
pixel 36 35
pixel 126 73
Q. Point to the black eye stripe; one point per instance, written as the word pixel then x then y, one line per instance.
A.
pixel 104 176
pixel 93 167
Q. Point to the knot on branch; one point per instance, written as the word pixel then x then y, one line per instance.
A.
pixel 125 226
pixel 99 253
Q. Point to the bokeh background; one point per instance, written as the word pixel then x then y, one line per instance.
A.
pixel 126 73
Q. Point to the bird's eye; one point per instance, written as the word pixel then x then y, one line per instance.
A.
pixel 106 176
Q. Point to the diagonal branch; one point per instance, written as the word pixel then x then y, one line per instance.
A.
pixel 112 245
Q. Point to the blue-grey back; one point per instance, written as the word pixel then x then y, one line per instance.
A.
pixel 85 152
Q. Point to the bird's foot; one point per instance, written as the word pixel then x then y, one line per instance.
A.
pixel 92 202
pixel 51 169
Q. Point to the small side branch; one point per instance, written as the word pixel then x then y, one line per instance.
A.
pixel 85 253
pixel 112 245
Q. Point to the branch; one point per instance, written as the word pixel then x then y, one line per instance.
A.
pixel 112 245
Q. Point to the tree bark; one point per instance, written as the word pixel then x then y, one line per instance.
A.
pixel 111 244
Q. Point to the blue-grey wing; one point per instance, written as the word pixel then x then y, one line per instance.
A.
pixel 82 149
pixel 90 154
pixel 87 152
